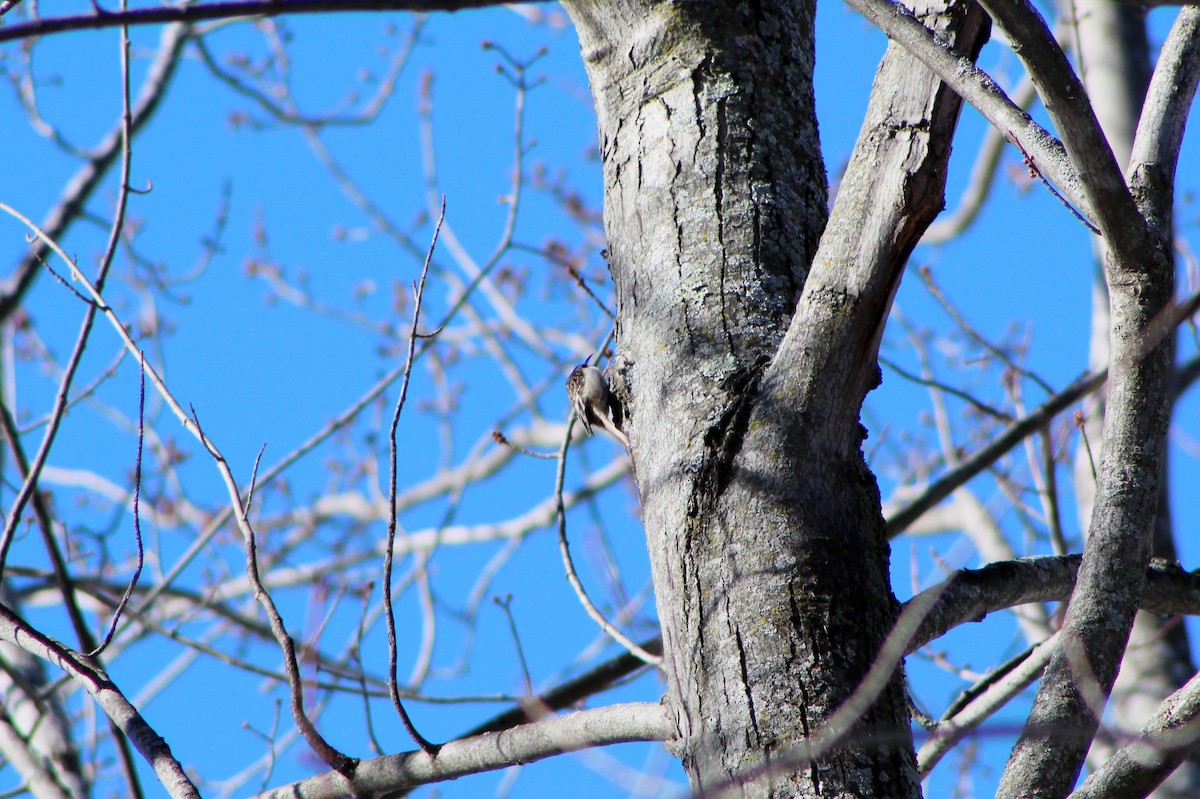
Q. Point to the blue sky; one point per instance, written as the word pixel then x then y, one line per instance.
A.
pixel 258 369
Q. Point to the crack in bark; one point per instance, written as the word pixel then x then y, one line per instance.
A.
pixel 746 684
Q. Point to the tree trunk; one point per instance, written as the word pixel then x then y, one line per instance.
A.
pixel 1157 661
pixel 742 394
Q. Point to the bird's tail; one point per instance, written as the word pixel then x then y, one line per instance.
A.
pixel 614 431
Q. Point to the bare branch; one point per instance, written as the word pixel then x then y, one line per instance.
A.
pixel 592 682
pixel 1168 103
pixel 199 13
pixel 983 177
pixel 137 519
pixel 427 747
pixel 1164 322
pixel 971 594
pixel 88 177
pixel 977 88
pixel 1013 435
pixel 998 692
pixel 1139 271
pixel 524 744
pixel 39 780
pixel 191 424
pixel 1067 102
pixel 1163 743
pixel 569 567
pixel 118 709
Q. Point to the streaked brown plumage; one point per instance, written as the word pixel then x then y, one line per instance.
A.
pixel 590 399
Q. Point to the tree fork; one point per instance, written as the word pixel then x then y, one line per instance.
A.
pixel 763 523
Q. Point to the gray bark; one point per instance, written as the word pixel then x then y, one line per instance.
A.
pixel 763 523
pixel 124 716
pixel 35 731
pixel 1115 67
pixel 393 776
pixel 1135 223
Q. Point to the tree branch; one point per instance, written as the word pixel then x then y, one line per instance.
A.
pixel 1166 322
pixel 1139 270
pixel 639 721
pixel 999 690
pixel 1164 742
pixel 601 678
pixel 1045 152
pixel 311 735
pixel 85 181
pixel 123 714
pixel 199 13
pixel 983 177
pixel 1067 103
pixel 1014 434
pixel 1169 96
pixel 971 594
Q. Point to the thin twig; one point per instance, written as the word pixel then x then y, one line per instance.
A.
pixel 1015 433
pixel 934 289
pixel 85 180
pixel 1050 492
pixel 357 651
pixel 503 441
pixel 156 15
pixel 137 523
pixel 930 382
pixel 1035 172
pixel 505 606
pixel 62 397
pixel 30 475
pixel 316 742
pixel 426 746
pixel 1087 445
pixel 569 566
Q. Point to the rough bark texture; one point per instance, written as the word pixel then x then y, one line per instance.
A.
pixel 714 200
pixel 1066 712
pixel 1135 223
pixel 1115 68
pixel 763 523
pixel 1157 662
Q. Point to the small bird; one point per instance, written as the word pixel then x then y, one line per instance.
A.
pixel 591 400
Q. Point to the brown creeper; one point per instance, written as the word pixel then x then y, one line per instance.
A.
pixel 591 401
